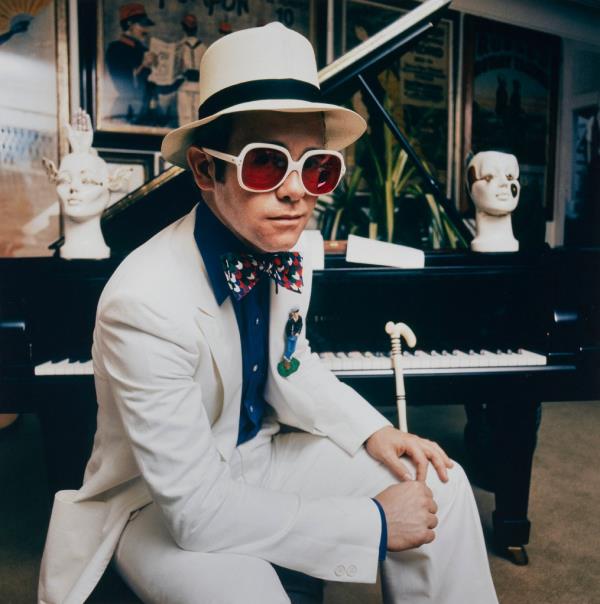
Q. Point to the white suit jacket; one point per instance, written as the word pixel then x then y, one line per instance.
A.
pixel 168 374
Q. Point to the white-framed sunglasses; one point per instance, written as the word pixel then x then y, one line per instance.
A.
pixel 263 167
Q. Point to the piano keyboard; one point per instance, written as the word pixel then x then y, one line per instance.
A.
pixel 65 367
pixel 373 363
pixel 419 361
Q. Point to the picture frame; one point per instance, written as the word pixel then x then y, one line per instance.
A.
pixel 581 211
pixel 33 55
pixel 164 94
pixel 425 85
pixel 522 120
pixel 142 166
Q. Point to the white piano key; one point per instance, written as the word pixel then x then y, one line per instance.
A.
pixel 370 361
pixel 539 359
pixel 408 360
pixel 71 368
pixel 451 359
pixel 327 359
pixel 382 361
pixel 511 358
pixel 42 369
pixel 59 367
pixel 475 359
pixel 437 360
pixel 533 357
pixel 424 360
pixel 356 360
pixel 462 358
pixel 86 368
pixel 487 358
pixel 523 358
pixel 341 360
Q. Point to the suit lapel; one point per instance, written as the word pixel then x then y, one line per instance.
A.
pixel 218 326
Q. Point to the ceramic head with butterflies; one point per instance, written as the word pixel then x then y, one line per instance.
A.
pixel 84 185
pixel 493 184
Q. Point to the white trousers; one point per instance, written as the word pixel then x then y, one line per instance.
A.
pixel 453 569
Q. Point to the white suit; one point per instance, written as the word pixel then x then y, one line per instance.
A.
pixel 168 369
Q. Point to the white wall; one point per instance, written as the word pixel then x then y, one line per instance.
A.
pixel 565 19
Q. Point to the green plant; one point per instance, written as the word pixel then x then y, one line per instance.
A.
pixel 392 181
pixel 342 214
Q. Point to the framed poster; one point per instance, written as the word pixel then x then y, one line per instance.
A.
pixel 510 95
pixel 420 84
pixel 148 55
pixel 33 58
pixel 139 164
pixel 582 215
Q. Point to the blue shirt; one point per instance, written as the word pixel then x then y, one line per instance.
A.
pixel 252 313
pixel 214 239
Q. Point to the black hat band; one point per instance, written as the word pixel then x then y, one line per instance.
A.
pixel 259 90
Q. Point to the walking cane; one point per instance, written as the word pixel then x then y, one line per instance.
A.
pixel 397 331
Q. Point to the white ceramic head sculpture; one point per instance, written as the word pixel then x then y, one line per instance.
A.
pixel 493 184
pixel 83 185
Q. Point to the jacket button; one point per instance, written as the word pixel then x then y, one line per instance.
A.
pixel 340 571
pixel 351 570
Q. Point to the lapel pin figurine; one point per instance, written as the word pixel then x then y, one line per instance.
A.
pixel 293 327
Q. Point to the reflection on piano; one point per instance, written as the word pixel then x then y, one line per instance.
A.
pixel 504 330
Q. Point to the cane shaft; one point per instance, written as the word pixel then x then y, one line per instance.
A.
pixel 400 392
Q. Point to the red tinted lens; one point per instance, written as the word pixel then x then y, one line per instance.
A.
pixel 263 168
pixel 321 173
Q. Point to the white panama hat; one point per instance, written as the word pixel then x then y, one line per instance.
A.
pixel 269 68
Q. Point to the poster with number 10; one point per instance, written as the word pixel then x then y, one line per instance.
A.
pixel 149 53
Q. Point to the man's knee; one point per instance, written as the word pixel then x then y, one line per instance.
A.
pixel 447 492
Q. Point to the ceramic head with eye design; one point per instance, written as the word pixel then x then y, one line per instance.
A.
pixel 493 182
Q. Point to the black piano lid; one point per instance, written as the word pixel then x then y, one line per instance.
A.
pixel 339 79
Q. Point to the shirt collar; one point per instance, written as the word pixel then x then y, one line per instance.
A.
pixel 214 239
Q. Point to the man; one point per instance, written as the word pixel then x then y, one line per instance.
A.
pixel 192 481
pixel 129 64
pixel 192 49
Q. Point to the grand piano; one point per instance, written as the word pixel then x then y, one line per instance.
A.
pixel 498 333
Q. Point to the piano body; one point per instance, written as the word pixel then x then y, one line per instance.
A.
pixel 503 331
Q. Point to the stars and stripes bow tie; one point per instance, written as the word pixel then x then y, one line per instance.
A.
pixel 243 271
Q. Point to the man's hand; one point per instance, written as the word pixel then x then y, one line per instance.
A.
pixel 410 515
pixel 388 444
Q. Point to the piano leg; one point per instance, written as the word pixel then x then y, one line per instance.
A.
pixel 514 430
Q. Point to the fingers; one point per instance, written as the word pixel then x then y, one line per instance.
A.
pixel 438 458
pixel 440 467
pixel 398 467
pixel 416 453
pixel 447 461
pixel 432 506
